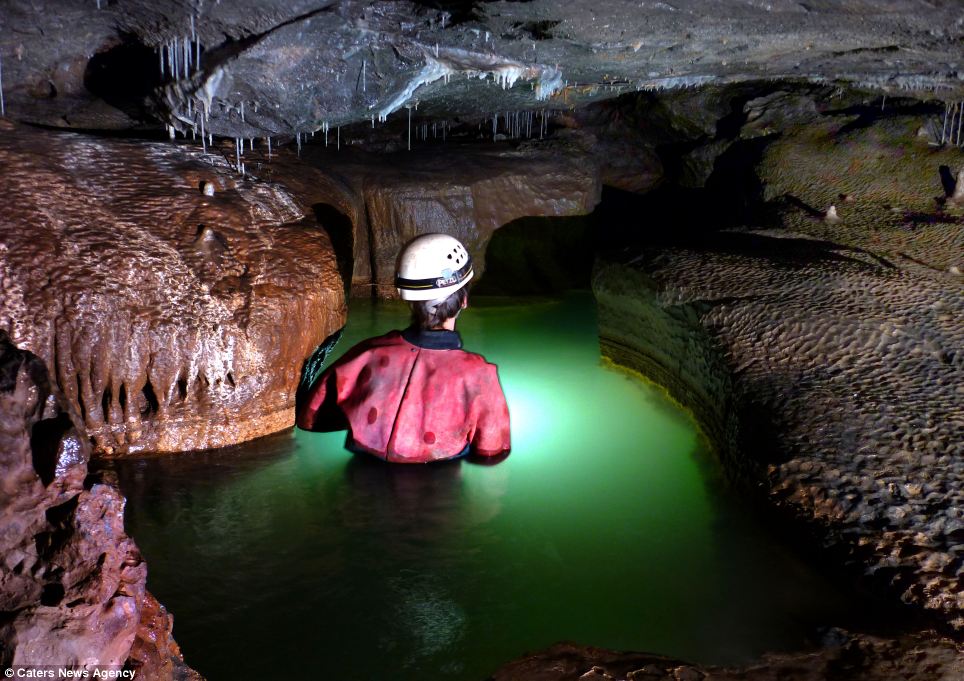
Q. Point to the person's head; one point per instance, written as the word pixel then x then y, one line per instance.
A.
pixel 432 274
pixel 432 314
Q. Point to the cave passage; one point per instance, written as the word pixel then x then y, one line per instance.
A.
pixel 607 525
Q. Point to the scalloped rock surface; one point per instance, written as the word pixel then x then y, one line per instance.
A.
pixel 888 181
pixel 846 372
pixel 172 320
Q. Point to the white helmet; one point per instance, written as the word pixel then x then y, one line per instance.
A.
pixel 432 267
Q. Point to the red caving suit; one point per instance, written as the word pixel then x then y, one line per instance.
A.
pixel 411 397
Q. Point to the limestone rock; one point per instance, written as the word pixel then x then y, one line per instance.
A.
pixel 171 319
pixel 826 376
pixel 896 187
pixel 844 657
pixel 468 192
pixel 72 584
pixel 301 64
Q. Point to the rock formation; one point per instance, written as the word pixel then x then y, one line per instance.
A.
pixel 171 319
pixel 844 657
pixel 72 584
pixel 843 372
pixel 892 184
pixel 462 190
pixel 256 68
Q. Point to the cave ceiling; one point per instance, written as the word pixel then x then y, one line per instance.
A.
pixel 256 68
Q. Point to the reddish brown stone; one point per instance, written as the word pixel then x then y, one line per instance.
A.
pixel 72 583
pixel 172 320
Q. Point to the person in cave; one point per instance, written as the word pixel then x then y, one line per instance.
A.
pixel 414 396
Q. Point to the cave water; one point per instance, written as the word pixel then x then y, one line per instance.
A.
pixel 608 524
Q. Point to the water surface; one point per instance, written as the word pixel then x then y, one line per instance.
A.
pixel 607 525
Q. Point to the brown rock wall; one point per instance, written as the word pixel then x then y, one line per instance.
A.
pixel 172 320
pixel 72 583
pixel 467 192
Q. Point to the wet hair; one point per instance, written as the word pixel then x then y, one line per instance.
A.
pixel 431 314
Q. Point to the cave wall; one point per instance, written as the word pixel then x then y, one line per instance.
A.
pixel 466 190
pixel 72 583
pixel 257 68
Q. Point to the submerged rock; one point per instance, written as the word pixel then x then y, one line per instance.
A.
pixel 72 583
pixel 171 319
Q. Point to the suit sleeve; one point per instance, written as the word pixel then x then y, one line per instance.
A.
pixel 317 409
pixel 492 429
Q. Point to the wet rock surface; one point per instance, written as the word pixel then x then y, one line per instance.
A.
pixel 254 68
pixel 468 191
pixel 844 657
pixel 173 300
pixel 842 374
pixel 72 583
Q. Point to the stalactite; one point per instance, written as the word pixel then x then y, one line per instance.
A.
pixel 269 148
pixel 338 137
pixel 947 111
pixel 204 145
pixel 960 121
pixel 409 128
pixel 3 106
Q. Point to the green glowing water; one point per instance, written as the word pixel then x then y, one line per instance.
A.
pixel 605 526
